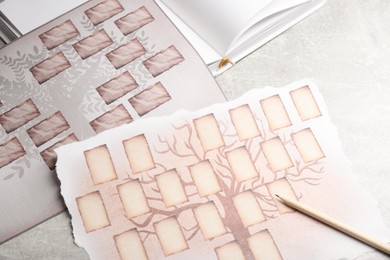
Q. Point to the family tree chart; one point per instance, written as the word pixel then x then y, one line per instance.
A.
pixel 103 64
pixel 203 183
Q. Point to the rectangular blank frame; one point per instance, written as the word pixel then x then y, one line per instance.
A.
pixel 93 44
pixel 112 118
pixel 248 208
pixel 275 112
pixel 48 128
pixel 150 98
pixel 281 187
pixel 276 154
pixel 11 151
pixel 244 122
pixel 138 153
pixel 103 11
pixel 19 115
pixel 263 246
pixel 170 236
pixel 204 178
pixel 133 199
pixel 59 34
pixel 307 145
pixel 130 246
pixel 126 53
pixel 209 220
pixel 117 87
pixel 134 20
pixel 305 103
pixel 171 188
pixel 163 61
pixel 100 164
pixel 50 67
pixel 241 164
pixel 230 251
pixel 92 211
pixel 208 132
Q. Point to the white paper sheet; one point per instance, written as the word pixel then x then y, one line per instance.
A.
pixel 220 23
pixel 27 15
pixel 222 164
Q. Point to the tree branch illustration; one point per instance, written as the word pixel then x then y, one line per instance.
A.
pixel 184 143
pixel 310 173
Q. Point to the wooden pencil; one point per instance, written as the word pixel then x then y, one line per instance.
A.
pixel 335 224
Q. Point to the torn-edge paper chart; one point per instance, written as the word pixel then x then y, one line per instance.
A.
pixel 101 65
pixel 201 184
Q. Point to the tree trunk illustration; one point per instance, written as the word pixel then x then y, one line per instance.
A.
pixel 183 144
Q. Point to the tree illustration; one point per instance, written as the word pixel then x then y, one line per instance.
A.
pixel 183 144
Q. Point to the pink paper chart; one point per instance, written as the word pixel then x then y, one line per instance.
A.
pixel 102 65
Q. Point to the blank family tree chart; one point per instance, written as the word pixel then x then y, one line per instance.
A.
pixel 201 185
pixel 102 65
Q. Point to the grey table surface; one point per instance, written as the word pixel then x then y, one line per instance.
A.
pixel 345 49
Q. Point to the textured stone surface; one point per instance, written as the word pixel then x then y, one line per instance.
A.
pixel 345 49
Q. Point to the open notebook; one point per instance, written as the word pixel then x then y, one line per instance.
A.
pixel 233 29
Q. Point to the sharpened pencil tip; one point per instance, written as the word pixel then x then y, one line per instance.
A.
pixel 278 196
